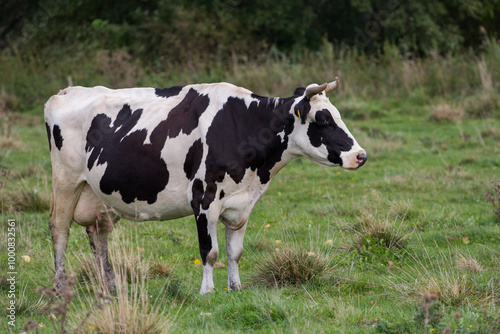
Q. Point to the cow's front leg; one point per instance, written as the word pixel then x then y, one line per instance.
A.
pixel 234 249
pixel 209 250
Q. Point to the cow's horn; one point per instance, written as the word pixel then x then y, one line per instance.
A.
pixel 311 91
pixel 332 85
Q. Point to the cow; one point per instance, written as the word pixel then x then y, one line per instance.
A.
pixel 158 154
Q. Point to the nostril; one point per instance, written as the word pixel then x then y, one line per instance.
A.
pixel 362 157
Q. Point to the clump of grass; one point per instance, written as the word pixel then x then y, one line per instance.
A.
pixel 130 262
pixel 58 304
pixel 493 197
pixel 468 264
pixel 484 104
pixel 160 268
pixel 290 267
pixel 29 304
pixel 30 200
pixel 131 311
pixel 446 280
pixel 25 303
pixel 454 289
pixel 447 112
pixel 10 143
pixel 371 231
pixel 492 132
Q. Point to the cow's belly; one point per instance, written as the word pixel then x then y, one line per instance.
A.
pixel 131 199
pixel 169 208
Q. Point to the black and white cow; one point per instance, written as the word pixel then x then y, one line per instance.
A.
pixel 160 154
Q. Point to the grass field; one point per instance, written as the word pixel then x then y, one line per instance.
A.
pixel 412 222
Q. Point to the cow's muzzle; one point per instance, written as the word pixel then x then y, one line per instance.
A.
pixel 361 159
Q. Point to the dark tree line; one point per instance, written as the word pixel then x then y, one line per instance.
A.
pixel 179 30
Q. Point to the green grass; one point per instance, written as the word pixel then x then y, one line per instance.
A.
pixel 424 181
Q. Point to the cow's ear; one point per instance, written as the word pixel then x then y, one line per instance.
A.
pixel 302 109
pixel 299 91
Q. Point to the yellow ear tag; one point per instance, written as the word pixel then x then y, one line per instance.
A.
pixel 298 113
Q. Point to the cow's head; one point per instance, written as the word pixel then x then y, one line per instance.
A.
pixel 319 132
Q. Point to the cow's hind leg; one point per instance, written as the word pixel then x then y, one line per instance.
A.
pixel 63 202
pixel 234 249
pixel 98 238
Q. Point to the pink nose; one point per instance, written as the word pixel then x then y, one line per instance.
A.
pixel 362 157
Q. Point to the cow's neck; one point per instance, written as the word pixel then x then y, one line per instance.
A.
pixel 271 141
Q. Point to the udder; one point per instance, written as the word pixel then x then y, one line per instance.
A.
pixel 91 210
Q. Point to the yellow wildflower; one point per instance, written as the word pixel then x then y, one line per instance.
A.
pixel 278 241
pixel 197 262
pixel 26 258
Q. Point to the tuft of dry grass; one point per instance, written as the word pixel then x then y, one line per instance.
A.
pixel 123 257
pixel 10 143
pixel 468 264
pixel 290 267
pixel 446 112
pixel 446 280
pixel 25 200
pixel 484 104
pixel 160 268
pixel 491 133
pixel 131 311
pixel 370 230
pixel 30 200
pixel 453 289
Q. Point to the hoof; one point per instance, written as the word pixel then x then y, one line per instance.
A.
pixel 234 289
pixel 207 290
